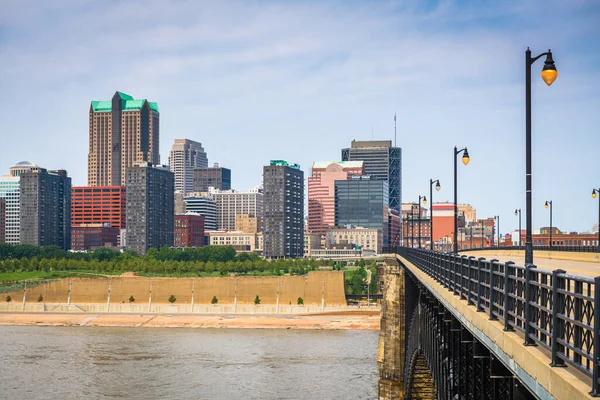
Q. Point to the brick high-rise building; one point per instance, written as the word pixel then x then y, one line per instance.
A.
pixel 381 161
pixel 283 223
pixel 103 205
pixel 149 207
pixel 185 156
pixel 189 230
pixel 321 192
pixel 9 191
pixel 247 224
pixel 45 208
pixel 217 177
pixel 2 221
pixel 122 132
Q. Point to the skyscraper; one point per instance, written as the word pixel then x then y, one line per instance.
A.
pixel 204 206
pixel 122 132
pixel 9 191
pixel 381 161
pixel 149 207
pixel 217 177
pixel 2 221
pixel 231 203
pixel 104 205
pixel 185 156
pixel 45 208
pixel 283 225
pixel 321 192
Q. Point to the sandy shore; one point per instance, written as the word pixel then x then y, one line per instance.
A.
pixel 361 320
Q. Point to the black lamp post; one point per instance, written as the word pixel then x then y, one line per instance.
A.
pixel 497 219
pixel 424 200
pixel 549 75
pixel 437 188
pixel 471 236
pixel 518 212
pixel 465 160
pixel 482 244
pixel 546 206
pixel 594 194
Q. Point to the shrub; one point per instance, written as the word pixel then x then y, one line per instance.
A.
pixel 172 299
pixel 9 299
pixel 40 299
pixel 256 300
pixel 214 300
pixel 300 301
pixel 131 299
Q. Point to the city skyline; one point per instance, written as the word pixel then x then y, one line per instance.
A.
pixel 473 98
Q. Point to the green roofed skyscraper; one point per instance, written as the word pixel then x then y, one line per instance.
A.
pixel 123 131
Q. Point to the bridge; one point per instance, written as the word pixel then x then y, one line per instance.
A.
pixel 462 327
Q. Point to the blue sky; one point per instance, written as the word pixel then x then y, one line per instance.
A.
pixel 260 80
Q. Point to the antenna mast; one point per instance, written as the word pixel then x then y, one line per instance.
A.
pixel 394 129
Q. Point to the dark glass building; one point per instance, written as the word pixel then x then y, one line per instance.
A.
pixel 45 204
pixel 382 162
pixel 217 177
pixel 150 207
pixel 283 223
pixel 362 201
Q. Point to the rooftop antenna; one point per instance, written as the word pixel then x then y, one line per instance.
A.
pixel 394 129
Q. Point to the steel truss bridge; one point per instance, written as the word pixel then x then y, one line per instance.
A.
pixel 458 327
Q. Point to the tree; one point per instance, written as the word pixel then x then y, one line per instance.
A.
pixel 9 299
pixel 256 300
pixel 172 299
pixel 214 300
pixel 300 301
pixel 40 299
pixel 131 299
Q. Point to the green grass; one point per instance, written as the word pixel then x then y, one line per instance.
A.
pixel 33 275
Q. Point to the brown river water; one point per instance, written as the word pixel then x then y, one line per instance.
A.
pixel 174 363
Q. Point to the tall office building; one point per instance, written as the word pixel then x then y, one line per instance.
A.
pixel 217 177
pixel 150 207
pixel 189 230
pixel 204 206
pixel 321 188
pixel 9 191
pixel 104 205
pixel 381 161
pixel 283 223
pixel 185 156
pixel 231 203
pixel 2 221
pixel 362 201
pixel 45 208
pixel 122 132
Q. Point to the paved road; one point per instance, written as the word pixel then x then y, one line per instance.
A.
pixel 589 269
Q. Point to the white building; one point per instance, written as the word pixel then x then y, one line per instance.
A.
pixel 365 238
pixel 10 191
pixel 186 155
pixel 231 203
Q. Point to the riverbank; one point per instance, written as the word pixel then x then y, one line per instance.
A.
pixel 359 320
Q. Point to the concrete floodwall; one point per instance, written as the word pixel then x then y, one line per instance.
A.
pixel 313 288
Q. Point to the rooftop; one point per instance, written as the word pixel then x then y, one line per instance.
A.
pixel 283 163
pixel 128 103
pixel 343 164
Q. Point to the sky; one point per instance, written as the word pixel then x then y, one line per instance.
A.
pixel 299 80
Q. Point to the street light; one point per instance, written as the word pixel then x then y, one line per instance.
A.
pixel 437 188
pixel 465 160
pixel 546 206
pixel 549 74
pixel 518 212
pixel 424 199
pixel 497 218
pixel 594 192
pixel 482 244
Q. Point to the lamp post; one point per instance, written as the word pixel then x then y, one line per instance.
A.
pixel 546 206
pixel 482 227
pixel 471 237
pixel 518 212
pixel 594 194
pixel 424 200
pixel 437 188
pixel 465 160
pixel 497 218
pixel 549 75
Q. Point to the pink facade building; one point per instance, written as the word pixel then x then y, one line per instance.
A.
pixel 321 192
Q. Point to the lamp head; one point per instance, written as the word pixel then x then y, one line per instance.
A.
pixel 465 157
pixel 437 186
pixel 424 200
pixel 546 205
pixel 549 72
pixel 516 212
pixel 495 218
pixel 594 194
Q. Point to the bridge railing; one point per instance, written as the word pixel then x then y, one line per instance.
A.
pixel 577 249
pixel 552 309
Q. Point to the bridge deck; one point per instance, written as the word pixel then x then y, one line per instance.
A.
pixel 530 363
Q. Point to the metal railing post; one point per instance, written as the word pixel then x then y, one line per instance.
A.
pixel 479 286
pixel 596 356
pixel 557 324
pixel 470 282
pixel 528 340
pixel 492 290
pixel 507 326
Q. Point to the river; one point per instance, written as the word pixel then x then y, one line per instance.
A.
pixel 181 363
